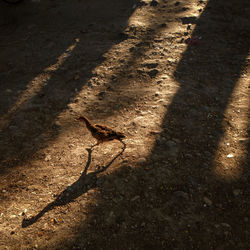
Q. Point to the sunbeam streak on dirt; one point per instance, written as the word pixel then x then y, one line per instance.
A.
pixel 35 86
pixel 232 148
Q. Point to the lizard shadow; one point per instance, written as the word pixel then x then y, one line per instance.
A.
pixel 79 187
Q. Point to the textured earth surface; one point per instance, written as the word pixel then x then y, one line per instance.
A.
pixel 171 75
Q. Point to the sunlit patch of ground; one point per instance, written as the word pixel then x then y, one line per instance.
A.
pixel 233 147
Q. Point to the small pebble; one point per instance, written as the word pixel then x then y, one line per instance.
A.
pixel 152 73
pixel 181 194
pixel 47 158
pixel 141 160
pixel 135 198
pixel 188 156
pixel 225 225
pixel 154 3
pixel 207 201
pixel 236 192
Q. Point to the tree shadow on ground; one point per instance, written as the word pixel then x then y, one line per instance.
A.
pixel 45 46
pixel 175 200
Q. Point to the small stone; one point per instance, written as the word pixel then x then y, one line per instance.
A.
pixel 171 144
pixel 181 194
pixel 151 65
pixel 243 140
pixel 172 151
pixel 192 181
pixel 142 160
pixel 208 154
pixel 177 3
pixel 45 81
pixel 141 3
pixel 24 212
pixel 205 165
pixel 236 192
pixel 101 95
pixel 47 158
pixel 161 140
pixel 132 49
pixel 154 3
pixel 8 90
pixel 153 73
pixel 57 124
pixel 230 156
pixel 182 40
pixel 13 216
pixel 110 218
pixel 135 198
pixel 225 225
pixel 207 201
pixel 13 127
pixel 177 140
pixel 189 156
pixel 12 232
pixel 139 71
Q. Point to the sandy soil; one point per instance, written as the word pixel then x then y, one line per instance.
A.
pixel 173 76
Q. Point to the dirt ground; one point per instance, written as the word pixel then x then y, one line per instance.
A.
pixel 171 75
